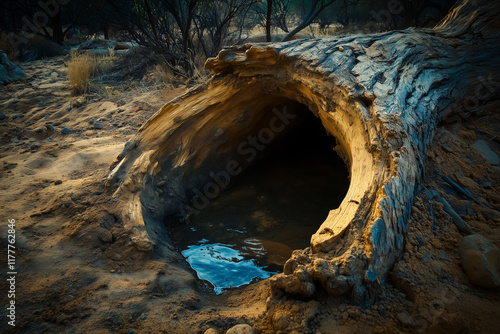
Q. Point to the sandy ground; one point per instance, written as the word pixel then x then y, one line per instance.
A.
pixel 78 273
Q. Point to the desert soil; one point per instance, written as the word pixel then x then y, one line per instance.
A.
pixel 77 271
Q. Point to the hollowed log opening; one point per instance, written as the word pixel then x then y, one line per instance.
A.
pixel 379 95
pixel 244 223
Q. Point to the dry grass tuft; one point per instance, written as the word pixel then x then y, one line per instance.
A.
pixel 80 70
pixel 162 74
pixel 200 74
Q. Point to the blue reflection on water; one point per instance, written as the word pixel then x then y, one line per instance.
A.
pixel 223 266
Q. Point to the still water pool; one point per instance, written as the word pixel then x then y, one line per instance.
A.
pixel 249 231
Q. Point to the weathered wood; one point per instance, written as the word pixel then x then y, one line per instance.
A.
pixel 380 95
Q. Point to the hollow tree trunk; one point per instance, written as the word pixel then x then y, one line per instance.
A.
pixel 380 95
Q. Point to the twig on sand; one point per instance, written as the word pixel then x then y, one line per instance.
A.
pixel 461 190
pixel 461 224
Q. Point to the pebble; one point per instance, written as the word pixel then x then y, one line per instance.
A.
pixel 482 147
pixel 56 182
pixel 2 117
pixel 98 124
pixel 65 131
pixel 39 130
pixel 67 204
pixel 14 140
pixel 487 185
pixel 15 117
pixel 49 127
pixel 404 318
pixel 54 74
pixel 447 148
pixel 481 260
pixel 210 331
pixel 105 236
pixel 240 329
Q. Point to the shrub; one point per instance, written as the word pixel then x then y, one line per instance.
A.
pixel 80 69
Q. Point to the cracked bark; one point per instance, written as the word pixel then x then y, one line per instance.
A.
pixel 380 95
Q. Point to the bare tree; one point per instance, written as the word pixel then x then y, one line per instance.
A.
pixel 317 7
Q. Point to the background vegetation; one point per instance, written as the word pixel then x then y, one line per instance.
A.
pixel 181 34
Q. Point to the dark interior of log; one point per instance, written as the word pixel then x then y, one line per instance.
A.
pixel 274 206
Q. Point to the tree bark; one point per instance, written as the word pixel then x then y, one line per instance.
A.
pixel 380 95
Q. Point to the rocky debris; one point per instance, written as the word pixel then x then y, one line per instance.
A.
pixel 481 260
pixel 211 331
pixel 142 245
pixel 482 147
pixel 2 117
pixel 65 131
pixel 240 329
pixel 76 102
pixel 9 72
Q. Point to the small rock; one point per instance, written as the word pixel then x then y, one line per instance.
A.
pixel 404 318
pixel 142 245
pixel 98 125
pixel 49 127
pixel 210 331
pixel 105 236
pixel 39 130
pixel 130 331
pixel 65 131
pixel 14 140
pixel 54 74
pixel 67 204
pixel 15 117
pixel 2 116
pixel 240 329
pixel 447 148
pixel 481 260
pixel 490 213
pixel 77 102
pixel 487 185
pixel 482 147
pixel 56 182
